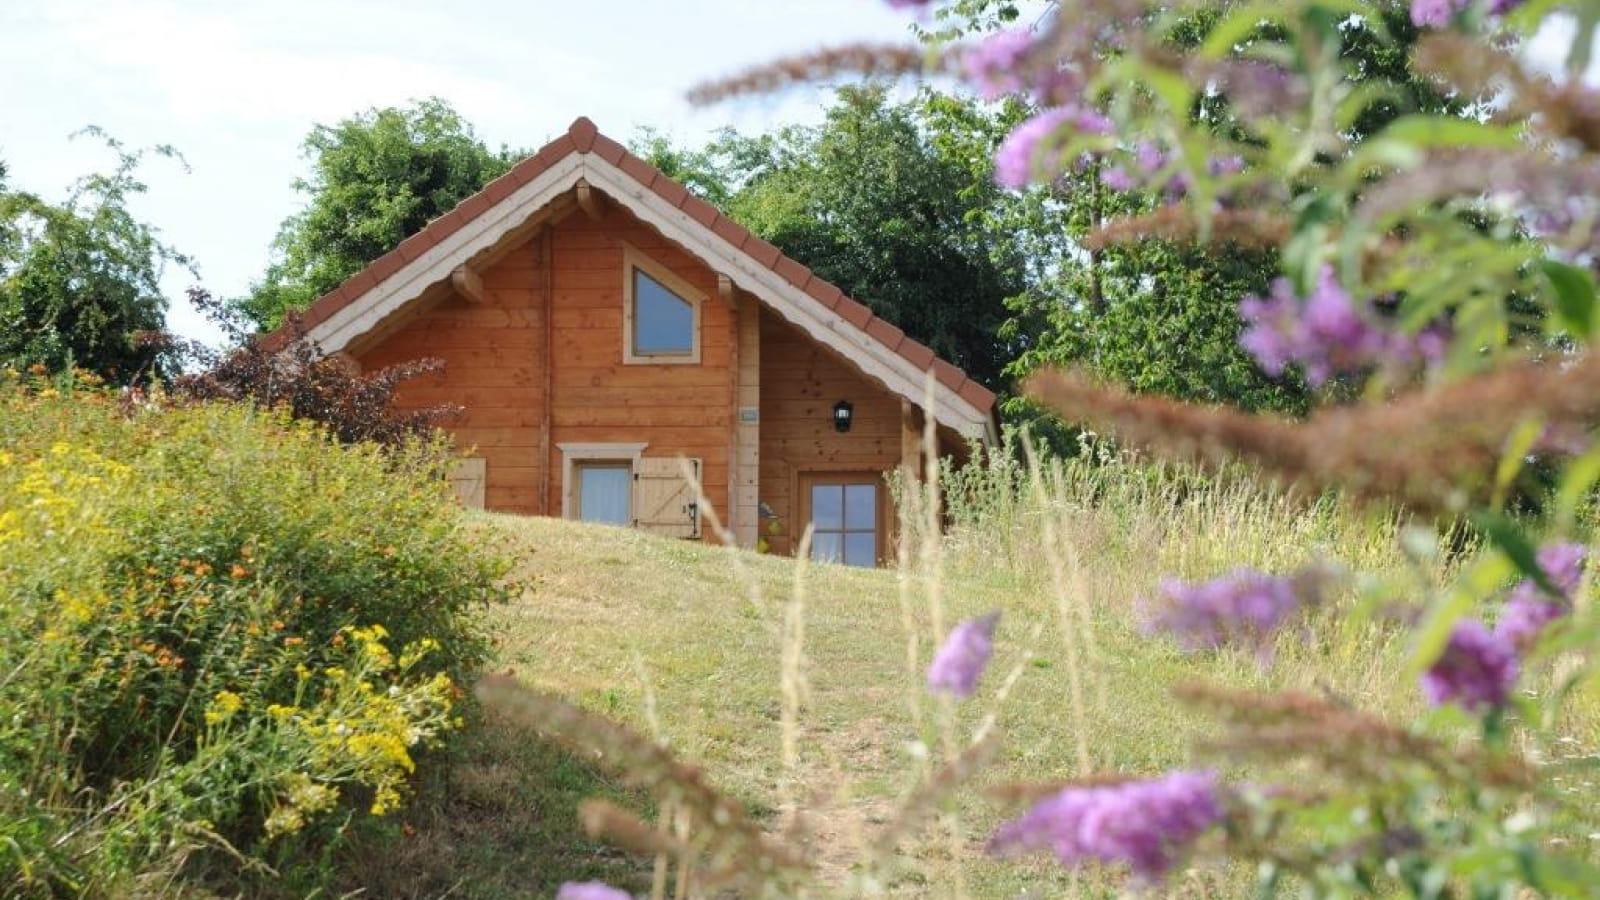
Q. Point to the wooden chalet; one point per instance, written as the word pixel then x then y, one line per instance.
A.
pixel 600 324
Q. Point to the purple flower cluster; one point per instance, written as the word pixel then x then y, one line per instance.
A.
pixel 1150 160
pixel 1479 667
pixel 1032 151
pixel 962 658
pixel 1325 334
pixel 1000 65
pixel 591 890
pixel 1439 13
pixel 1529 608
pixel 1150 825
pixel 1244 605
pixel 1436 13
pixel 1475 671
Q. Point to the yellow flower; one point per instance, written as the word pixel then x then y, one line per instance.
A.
pixel 223 706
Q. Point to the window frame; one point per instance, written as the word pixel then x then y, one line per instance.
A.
pixel 883 540
pixel 633 259
pixel 576 455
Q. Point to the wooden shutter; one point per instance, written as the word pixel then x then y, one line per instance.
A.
pixel 663 499
pixel 467 480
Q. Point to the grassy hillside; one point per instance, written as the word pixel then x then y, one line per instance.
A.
pixel 684 641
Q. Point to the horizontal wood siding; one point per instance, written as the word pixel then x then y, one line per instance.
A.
pixel 800 383
pixel 680 410
pixel 493 354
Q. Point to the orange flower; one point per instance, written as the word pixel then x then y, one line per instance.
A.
pixel 239 571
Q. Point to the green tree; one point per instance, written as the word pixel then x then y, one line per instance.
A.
pixel 376 178
pixel 888 201
pixel 80 280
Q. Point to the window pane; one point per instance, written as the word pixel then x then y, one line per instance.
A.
pixel 827 547
pixel 663 322
pixel 827 506
pixel 861 506
pixel 604 494
pixel 861 549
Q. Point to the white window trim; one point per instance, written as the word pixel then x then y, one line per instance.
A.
pixel 573 454
pixel 634 258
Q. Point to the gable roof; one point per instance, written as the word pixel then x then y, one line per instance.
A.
pixel 427 258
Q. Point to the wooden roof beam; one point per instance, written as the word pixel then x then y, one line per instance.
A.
pixel 726 292
pixel 468 284
pixel 591 201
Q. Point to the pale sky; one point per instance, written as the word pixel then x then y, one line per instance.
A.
pixel 235 85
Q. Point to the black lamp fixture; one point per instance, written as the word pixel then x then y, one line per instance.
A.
pixel 842 411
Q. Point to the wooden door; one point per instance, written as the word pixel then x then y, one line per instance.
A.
pixel 847 512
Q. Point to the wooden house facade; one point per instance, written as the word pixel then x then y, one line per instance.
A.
pixel 606 332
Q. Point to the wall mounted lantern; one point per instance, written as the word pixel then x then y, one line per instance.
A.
pixel 842 411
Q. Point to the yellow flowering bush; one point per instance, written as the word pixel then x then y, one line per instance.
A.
pixel 221 634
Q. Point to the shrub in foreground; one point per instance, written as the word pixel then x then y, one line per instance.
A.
pixel 223 632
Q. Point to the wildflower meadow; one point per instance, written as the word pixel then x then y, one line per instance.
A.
pixel 228 640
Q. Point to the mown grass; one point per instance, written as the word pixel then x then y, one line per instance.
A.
pixel 683 641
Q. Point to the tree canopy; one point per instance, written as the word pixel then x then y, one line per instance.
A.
pixel 80 279
pixel 886 200
pixel 376 178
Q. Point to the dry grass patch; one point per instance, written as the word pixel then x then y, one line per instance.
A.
pixel 670 637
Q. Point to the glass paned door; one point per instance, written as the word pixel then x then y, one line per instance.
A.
pixel 845 517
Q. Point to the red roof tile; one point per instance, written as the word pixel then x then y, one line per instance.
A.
pixel 611 151
pixel 916 353
pixel 639 170
pixel 583 133
pixel 855 313
pixel 670 191
pixel 792 271
pixel 949 374
pixel 386 265
pixel 763 252
pixel 500 188
pixel 824 292
pixel 583 137
pixel 699 210
pixel 416 245
pixel 977 395
pixel 887 334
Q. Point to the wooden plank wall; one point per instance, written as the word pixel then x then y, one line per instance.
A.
pixel 678 409
pixel 800 383
pixel 494 357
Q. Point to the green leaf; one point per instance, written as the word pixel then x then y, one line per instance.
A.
pixel 1575 297
pixel 1505 534
pixel 1232 31
pixel 1518 443
pixel 1576 481
pixel 1423 130
pixel 1400 145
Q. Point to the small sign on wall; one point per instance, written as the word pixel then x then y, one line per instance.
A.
pixel 749 414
